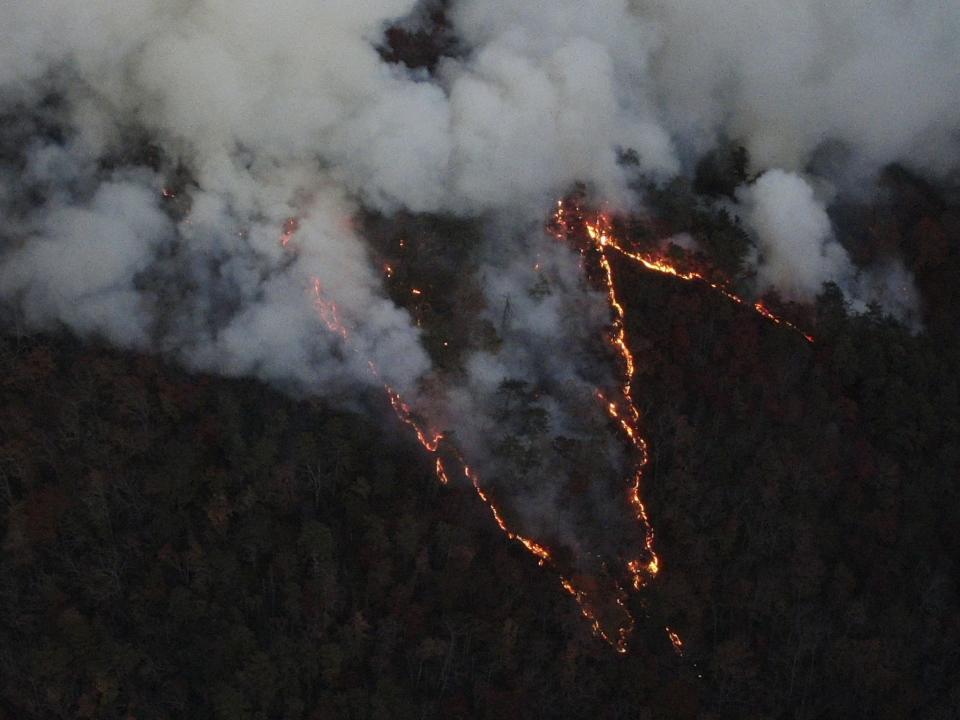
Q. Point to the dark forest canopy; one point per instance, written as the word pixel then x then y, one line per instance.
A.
pixel 219 184
pixel 178 545
pixel 189 546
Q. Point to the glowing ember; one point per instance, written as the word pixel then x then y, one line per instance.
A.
pixel 168 193
pixel 624 630
pixel 622 410
pixel 388 270
pixel 442 473
pixel 430 440
pixel 290 227
pixel 599 232
pixel 675 641
pixel 328 311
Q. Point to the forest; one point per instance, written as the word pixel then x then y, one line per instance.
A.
pixel 185 545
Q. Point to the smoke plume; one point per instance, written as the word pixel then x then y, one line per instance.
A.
pixel 182 177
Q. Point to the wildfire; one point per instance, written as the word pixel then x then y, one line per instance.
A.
pixel 624 412
pixel 290 227
pixel 619 643
pixel 675 641
pixel 431 440
pixel 599 232
pixel 442 473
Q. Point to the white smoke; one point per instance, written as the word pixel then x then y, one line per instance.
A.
pixel 152 153
pixel 787 75
pixel 271 109
pixel 797 251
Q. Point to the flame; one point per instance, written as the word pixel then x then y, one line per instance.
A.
pixel 328 312
pixel 623 411
pixel 442 473
pixel 430 440
pixel 290 227
pixel 599 232
pixel 619 643
pixel 675 641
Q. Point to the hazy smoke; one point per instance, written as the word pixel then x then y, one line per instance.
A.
pixel 788 75
pixel 797 251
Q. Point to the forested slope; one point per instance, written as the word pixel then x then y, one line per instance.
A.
pixel 189 546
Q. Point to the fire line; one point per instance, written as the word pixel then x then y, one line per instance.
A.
pixel 621 409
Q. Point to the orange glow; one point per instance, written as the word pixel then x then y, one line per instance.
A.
pixel 430 440
pixel 388 270
pixel 568 220
pixel 442 473
pixel 619 643
pixel 622 410
pixel 290 227
pixel 599 232
pixel 675 640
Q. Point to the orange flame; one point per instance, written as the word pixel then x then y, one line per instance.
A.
pixel 599 232
pixel 675 641
pixel 624 411
pixel 430 440
pixel 290 227
pixel 442 473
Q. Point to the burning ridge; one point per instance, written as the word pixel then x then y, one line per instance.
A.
pixel 601 593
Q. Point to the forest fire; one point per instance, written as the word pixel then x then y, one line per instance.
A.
pixel 675 641
pixel 569 223
pixel 596 239
pixel 431 440
pixel 600 233
pixel 442 473
pixel 290 227
pixel 642 571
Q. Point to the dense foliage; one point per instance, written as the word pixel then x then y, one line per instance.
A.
pixel 187 546
pixel 190 546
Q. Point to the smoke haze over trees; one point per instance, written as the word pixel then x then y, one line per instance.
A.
pixel 186 182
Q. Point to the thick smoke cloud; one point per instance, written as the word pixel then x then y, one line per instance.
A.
pixel 797 251
pixel 286 112
pixel 271 111
pixel 788 75
pixel 152 153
